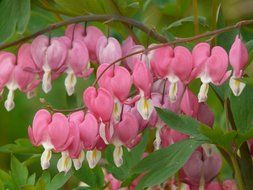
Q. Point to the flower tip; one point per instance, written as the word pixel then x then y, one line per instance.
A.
pixel 118 156
pixel 236 86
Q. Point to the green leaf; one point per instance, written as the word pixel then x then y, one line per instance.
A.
pixel 202 21
pixel 58 180
pixel 31 179
pixel 241 108
pixel 248 81
pixel 131 159
pixel 14 17
pixel 19 172
pixel 41 184
pixel 163 163
pixel 21 146
pixel 7 180
pixel 215 134
pixel 92 177
pixel 181 123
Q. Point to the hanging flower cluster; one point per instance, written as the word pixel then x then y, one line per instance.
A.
pixel 122 105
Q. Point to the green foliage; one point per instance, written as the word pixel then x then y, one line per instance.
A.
pixel 92 177
pixel 181 123
pixel 14 17
pixel 242 109
pixel 22 146
pixel 131 158
pixel 164 163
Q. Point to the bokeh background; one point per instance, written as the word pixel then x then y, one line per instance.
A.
pixel 172 18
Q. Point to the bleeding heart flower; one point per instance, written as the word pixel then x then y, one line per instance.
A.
pixel 214 185
pixel 229 185
pixel 210 65
pixel 26 80
pixel 127 45
pixel 189 104
pixel 13 75
pixel 143 80
pixel 49 56
pixel 110 80
pixel 108 50
pixel 134 59
pixel 202 167
pixel 99 102
pixel 174 64
pixel 39 135
pixel 125 131
pixel 89 36
pixel 72 151
pixel 77 63
pixel 238 58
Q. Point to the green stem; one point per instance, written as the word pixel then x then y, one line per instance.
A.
pixel 237 171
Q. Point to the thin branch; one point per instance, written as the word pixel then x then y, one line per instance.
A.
pixel 86 18
pixel 52 109
pixel 177 41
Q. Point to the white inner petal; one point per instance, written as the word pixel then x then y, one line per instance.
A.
pixel 64 163
pixel 145 107
pixel 118 156
pixel 93 157
pixel 236 86
pixel 70 82
pixel 78 161
pixel 202 96
pixel 45 159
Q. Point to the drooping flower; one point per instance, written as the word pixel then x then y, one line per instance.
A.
pixel 39 135
pixel 143 80
pixel 125 131
pixel 88 35
pixel 77 63
pixel 100 103
pixel 238 58
pixel 13 75
pixel 49 56
pixel 108 50
pixel 110 80
pixel 210 65
pixel 172 64
pixel 202 167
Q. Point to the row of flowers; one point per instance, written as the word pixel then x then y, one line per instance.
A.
pixel 45 59
pixel 123 105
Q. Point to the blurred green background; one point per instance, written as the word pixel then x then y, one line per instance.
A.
pixel 172 18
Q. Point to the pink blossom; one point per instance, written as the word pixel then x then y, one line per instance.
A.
pixel 108 50
pixel 238 58
pixel 210 65
pixel 49 56
pixel 89 36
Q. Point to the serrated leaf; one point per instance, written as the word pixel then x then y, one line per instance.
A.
pixel 19 172
pixel 170 160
